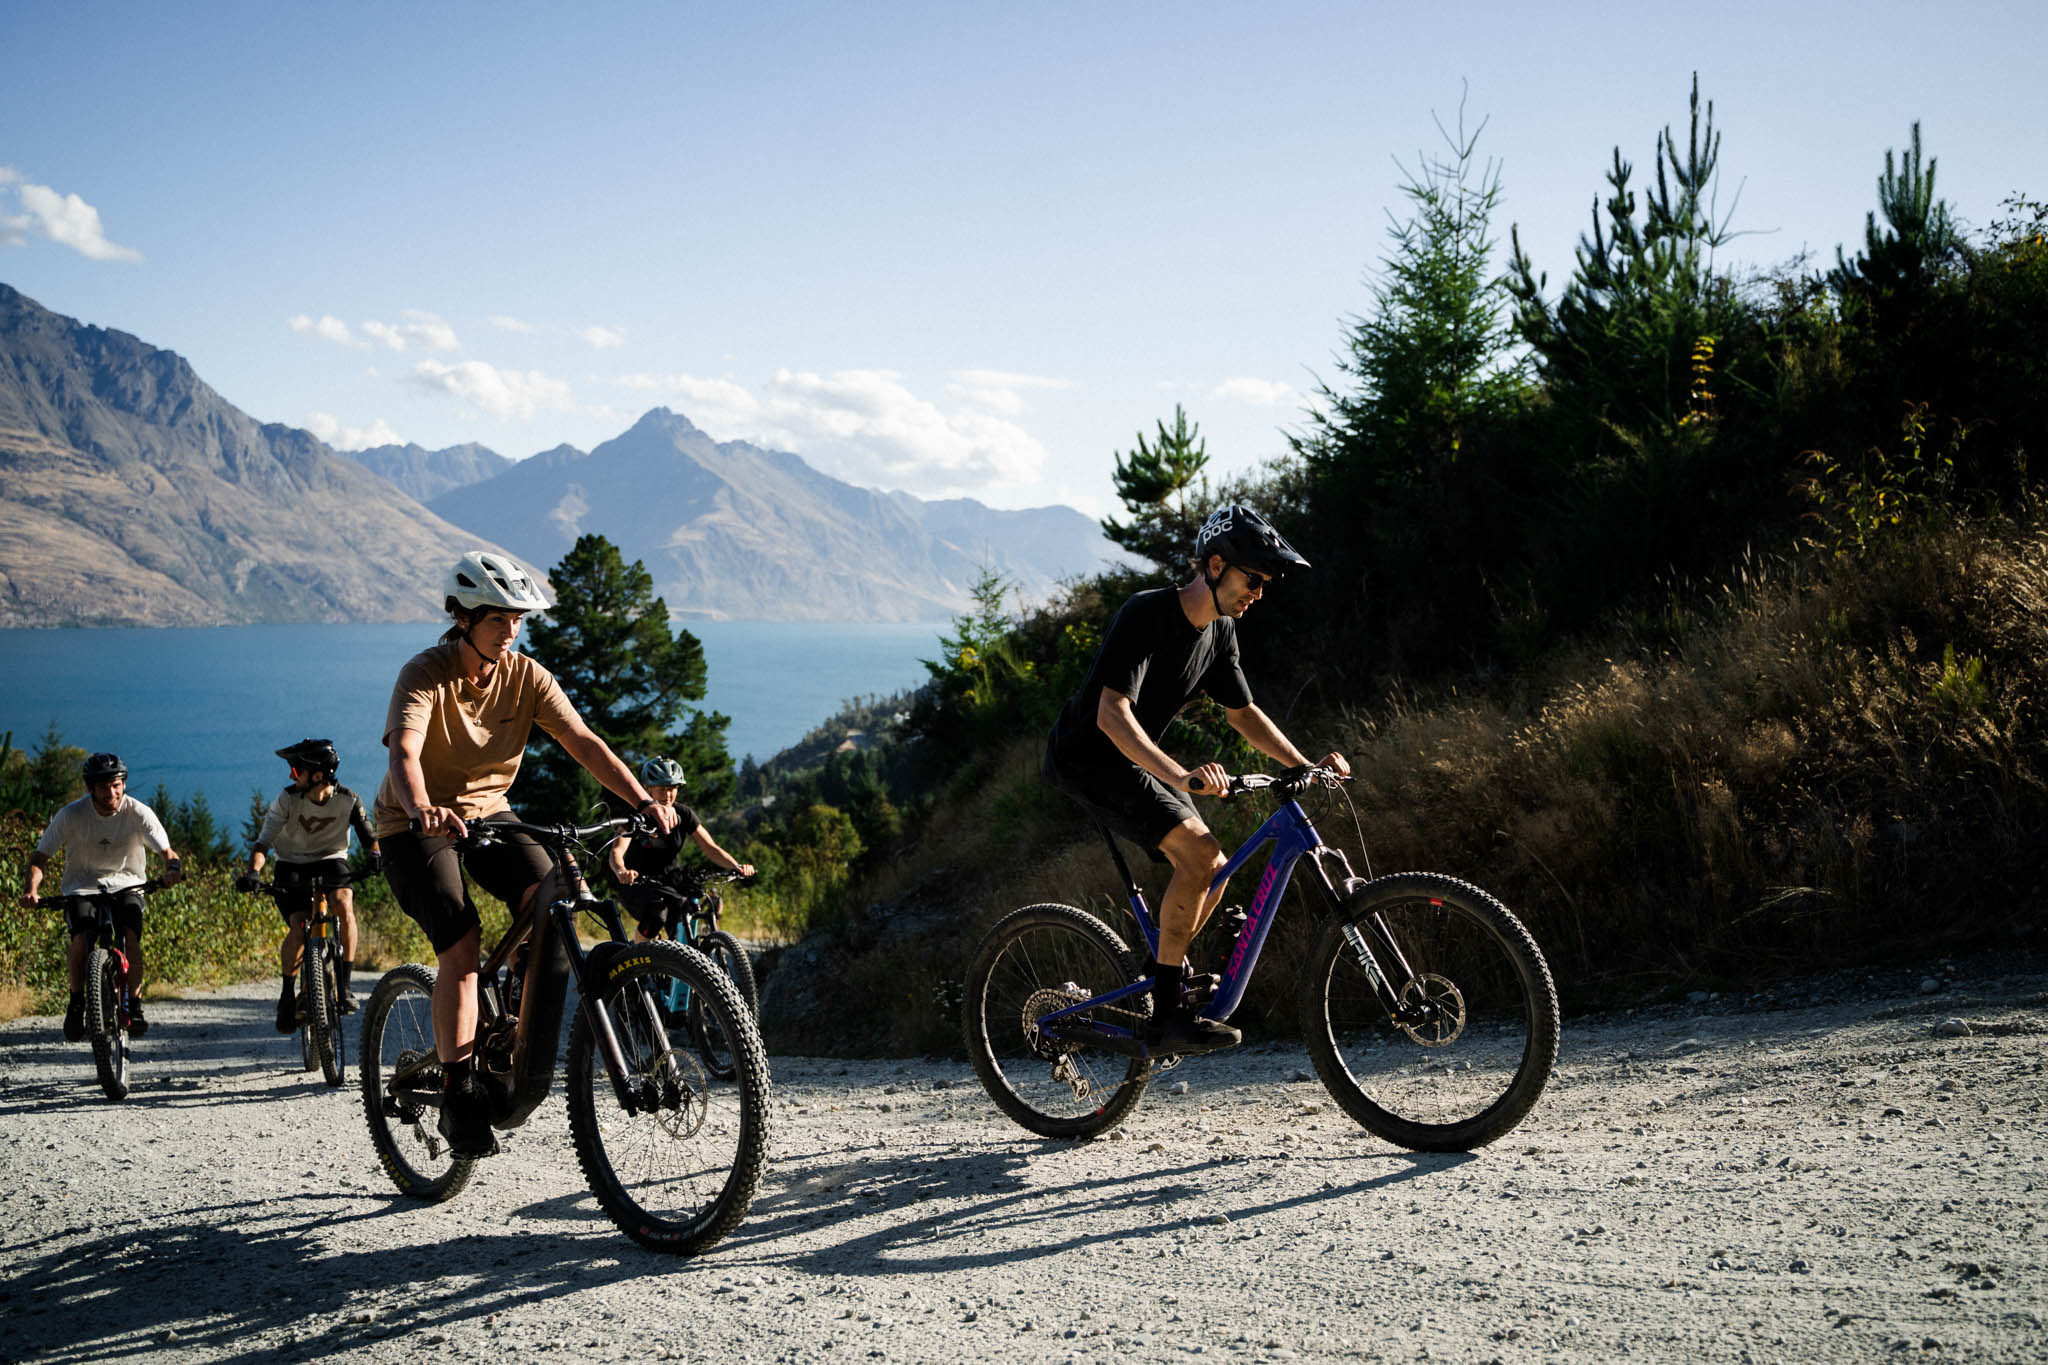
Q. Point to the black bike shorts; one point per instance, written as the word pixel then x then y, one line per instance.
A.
pixel 426 879
pixel 302 875
pixel 1129 800
pixel 82 916
pixel 653 906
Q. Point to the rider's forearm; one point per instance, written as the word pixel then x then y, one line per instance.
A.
pixel 1262 734
pixel 1113 716
pixel 716 854
pixel 601 763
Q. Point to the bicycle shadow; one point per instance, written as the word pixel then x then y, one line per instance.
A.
pixel 236 1290
pixel 986 1210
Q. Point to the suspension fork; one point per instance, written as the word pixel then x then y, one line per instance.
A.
pixel 1356 938
pixel 563 916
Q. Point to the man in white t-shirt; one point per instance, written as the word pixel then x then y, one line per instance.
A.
pixel 106 837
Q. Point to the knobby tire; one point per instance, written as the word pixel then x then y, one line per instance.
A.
pixel 104 987
pixel 398 1026
pixel 679 1174
pixel 1031 961
pixel 1472 1068
pixel 318 1000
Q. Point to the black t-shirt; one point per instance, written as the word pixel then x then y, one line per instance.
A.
pixel 1158 659
pixel 647 854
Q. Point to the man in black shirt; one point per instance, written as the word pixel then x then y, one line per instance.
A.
pixel 1164 647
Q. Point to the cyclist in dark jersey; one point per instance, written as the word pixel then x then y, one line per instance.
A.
pixel 642 856
pixel 1165 647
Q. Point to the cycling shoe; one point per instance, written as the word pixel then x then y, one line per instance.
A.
pixel 74 1020
pixel 1185 1032
pixel 466 1119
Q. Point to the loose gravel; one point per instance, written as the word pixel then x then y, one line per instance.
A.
pixel 1851 1170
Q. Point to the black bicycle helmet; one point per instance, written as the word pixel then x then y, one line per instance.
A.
pixel 104 768
pixel 312 756
pixel 1246 539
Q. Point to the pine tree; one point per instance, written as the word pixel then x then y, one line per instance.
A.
pixel 608 642
pixel 1434 357
pixel 1153 482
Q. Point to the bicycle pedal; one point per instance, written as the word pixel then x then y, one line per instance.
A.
pixel 1200 988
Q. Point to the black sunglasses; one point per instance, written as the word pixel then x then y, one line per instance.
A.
pixel 1257 582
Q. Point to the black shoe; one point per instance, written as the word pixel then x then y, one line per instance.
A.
pixel 466 1118
pixel 288 1008
pixel 348 1002
pixel 137 1025
pixel 1188 1033
pixel 74 1020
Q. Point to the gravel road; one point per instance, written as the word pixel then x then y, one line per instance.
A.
pixel 1835 1173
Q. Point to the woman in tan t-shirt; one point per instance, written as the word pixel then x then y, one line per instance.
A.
pixel 459 720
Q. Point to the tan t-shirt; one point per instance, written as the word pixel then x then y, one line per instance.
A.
pixel 473 737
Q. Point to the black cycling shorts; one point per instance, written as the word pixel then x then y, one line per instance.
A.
pixel 82 916
pixel 300 875
pixel 426 879
pixel 1129 800
pixel 653 906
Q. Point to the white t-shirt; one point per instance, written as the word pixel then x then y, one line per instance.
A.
pixel 303 830
pixel 104 852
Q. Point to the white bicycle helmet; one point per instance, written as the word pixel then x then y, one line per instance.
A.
pixel 484 578
pixel 660 771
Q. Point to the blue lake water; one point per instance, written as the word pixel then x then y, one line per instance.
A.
pixel 202 709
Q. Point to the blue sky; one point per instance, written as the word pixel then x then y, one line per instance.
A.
pixel 950 248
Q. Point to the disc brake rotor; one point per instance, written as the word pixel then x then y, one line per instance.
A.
pixel 1432 1010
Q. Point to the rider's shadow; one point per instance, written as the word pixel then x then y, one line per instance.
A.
pixel 230 1289
pixel 958 1211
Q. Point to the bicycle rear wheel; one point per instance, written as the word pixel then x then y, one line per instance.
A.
pixel 1466 1052
pixel 676 1168
pixel 731 957
pixel 1037 960
pixel 320 998
pixel 103 989
pixel 402 1097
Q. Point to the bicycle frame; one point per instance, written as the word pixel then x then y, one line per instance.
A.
pixel 524 1072
pixel 1293 836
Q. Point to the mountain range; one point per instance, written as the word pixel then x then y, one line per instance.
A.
pixel 131 493
pixel 731 530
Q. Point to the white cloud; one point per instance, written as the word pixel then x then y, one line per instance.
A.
pixel 999 390
pixel 1259 393
pixel 420 327
pixel 328 328
pixel 505 323
pixel 603 338
pixel 504 394
pixel 329 429
pixel 65 219
pixel 865 426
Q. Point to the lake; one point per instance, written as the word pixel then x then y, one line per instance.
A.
pixel 202 709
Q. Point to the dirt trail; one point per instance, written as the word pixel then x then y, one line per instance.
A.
pixel 1847 1176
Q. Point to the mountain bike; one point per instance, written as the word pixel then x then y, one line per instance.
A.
pixel 672 1154
pixel 107 1005
pixel 319 995
pixel 1426 1006
pixel 693 920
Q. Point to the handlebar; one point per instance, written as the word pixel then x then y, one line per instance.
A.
pixel 273 889
pixel 52 902
pixel 485 831
pixel 1289 784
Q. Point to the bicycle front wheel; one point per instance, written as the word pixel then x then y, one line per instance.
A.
pixel 402 1088
pixel 104 987
pixel 320 1000
pixel 674 1161
pixel 1429 1012
pixel 1035 961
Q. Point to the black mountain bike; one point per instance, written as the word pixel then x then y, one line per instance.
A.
pixel 693 908
pixel 320 1037
pixel 106 983
pixel 672 1153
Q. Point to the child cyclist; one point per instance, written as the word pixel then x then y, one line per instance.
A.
pixel 308 824
pixel 632 859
